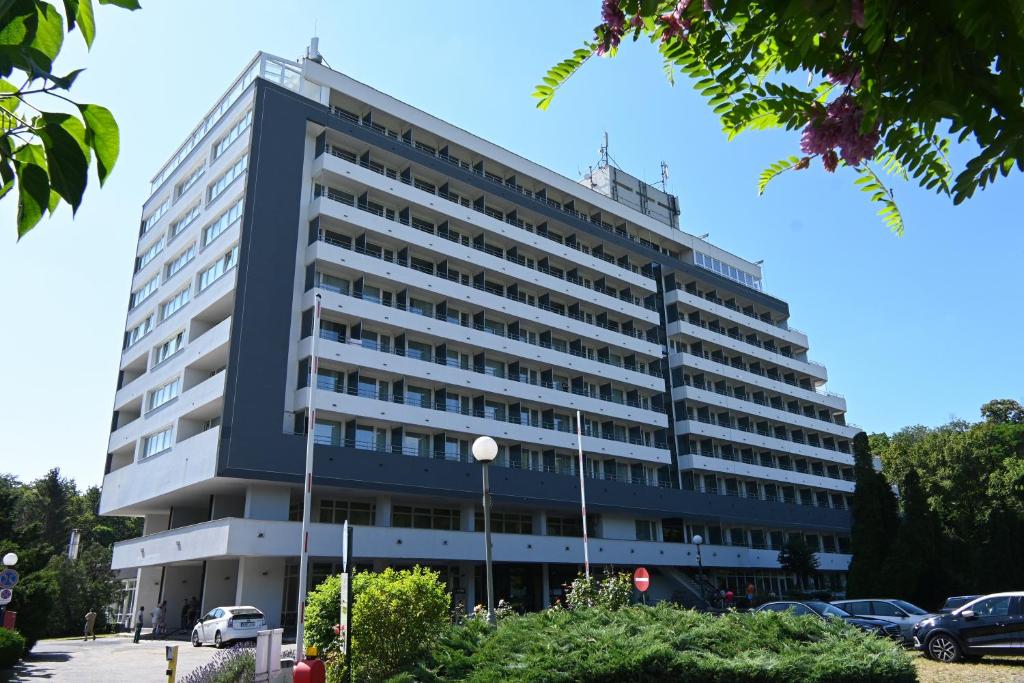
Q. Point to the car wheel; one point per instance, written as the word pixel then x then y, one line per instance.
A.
pixel 943 648
pixel 195 639
pixel 217 642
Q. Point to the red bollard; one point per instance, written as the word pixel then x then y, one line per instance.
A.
pixel 310 669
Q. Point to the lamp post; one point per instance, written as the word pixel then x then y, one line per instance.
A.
pixel 485 449
pixel 10 559
pixel 697 541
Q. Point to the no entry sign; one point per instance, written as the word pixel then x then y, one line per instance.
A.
pixel 641 579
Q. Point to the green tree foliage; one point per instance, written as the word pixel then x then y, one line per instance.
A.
pixel 396 617
pixel 1003 411
pixel 612 591
pixel 874 524
pixel 46 155
pixel 875 85
pixel 36 520
pixel 972 479
pixel 796 557
pixel 663 643
pixel 915 569
pixel 12 647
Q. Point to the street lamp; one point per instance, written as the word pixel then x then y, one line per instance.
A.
pixel 10 559
pixel 485 449
pixel 697 541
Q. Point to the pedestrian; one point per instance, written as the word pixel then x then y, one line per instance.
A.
pixel 184 613
pixel 163 618
pixel 751 591
pixel 156 616
pixel 90 625
pixel 138 624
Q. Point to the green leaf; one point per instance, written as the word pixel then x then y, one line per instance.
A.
pixel 31 35
pixel 67 155
pixel 6 176
pixel 85 18
pixel 768 174
pixel 33 187
pixel 869 182
pixel 103 135
pixel 123 4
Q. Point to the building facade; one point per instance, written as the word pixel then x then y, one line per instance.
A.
pixel 466 291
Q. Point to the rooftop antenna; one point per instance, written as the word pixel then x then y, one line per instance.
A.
pixel 604 152
pixel 664 176
pixel 313 51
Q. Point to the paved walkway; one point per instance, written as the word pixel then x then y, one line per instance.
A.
pixel 115 659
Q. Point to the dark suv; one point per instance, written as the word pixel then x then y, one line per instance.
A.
pixel 824 610
pixel 989 625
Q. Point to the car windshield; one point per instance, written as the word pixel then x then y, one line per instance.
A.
pixel 953 603
pixel 827 610
pixel 912 610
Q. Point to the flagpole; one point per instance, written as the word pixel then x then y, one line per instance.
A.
pixel 307 495
pixel 583 496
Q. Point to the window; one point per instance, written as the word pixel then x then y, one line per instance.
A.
pixel 338 511
pixel 181 260
pixel 506 523
pixel 164 394
pixel 221 183
pixel 214 272
pixel 171 307
pixel 333 284
pixel 236 130
pixel 168 348
pixel 565 526
pixel 188 182
pixel 425 518
pixel 992 607
pixel 156 443
pixel 150 254
pixel 725 270
pixel 154 217
pixel 144 292
pixel 223 222
pixel 884 609
pixel 328 433
pixel 178 226
pixel 646 530
pixel 132 336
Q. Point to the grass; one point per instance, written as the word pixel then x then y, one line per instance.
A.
pixel 993 669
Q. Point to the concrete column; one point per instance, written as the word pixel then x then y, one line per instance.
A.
pixel 383 513
pixel 147 592
pixel 469 569
pixel 545 586
pixel 540 523
pixel 261 584
pixel 220 584
pixel 468 518
pixel 267 502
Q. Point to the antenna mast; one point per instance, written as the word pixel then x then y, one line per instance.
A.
pixel 604 152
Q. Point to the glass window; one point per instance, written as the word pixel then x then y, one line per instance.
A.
pixel 333 284
pixel 222 183
pixel 408 517
pixel 223 222
pixel 144 292
pixel 214 272
pixel 164 394
pixel 884 609
pixel 992 607
pixel 860 607
pixel 171 307
pixel 188 182
pixel 150 254
pixel 155 217
pixel 168 348
pixel 132 336
pixel 909 608
pixel 338 511
pixel 236 130
pixel 646 530
pixel 327 433
pixel 181 260
pixel 178 226
pixel 156 443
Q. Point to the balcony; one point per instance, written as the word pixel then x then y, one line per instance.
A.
pixel 773 475
pixel 758 438
pixel 736 315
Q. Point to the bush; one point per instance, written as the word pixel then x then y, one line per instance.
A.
pixel 612 591
pixel 236 665
pixel 12 647
pixel 396 617
pixel 664 643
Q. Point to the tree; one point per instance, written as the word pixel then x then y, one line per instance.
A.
pixel 1003 411
pixel 796 557
pixel 874 525
pixel 885 80
pixel 915 568
pixel 46 155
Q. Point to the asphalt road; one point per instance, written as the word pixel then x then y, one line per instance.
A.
pixel 115 659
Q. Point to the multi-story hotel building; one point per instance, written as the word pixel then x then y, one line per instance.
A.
pixel 466 291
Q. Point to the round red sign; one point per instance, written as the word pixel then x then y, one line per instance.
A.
pixel 641 579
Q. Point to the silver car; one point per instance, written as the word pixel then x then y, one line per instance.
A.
pixel 897 611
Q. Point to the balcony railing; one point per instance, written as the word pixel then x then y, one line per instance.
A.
pixel 717 358
pixel 757 344
pixel 731 424
pixel 484 370
pixel 733 307
pixel 406 263
pixel 710 453
pixel 495 415
pixel 705 386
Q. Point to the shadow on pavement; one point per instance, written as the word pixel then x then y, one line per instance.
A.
pixel 28 668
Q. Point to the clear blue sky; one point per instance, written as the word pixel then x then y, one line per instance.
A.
pixel 913 330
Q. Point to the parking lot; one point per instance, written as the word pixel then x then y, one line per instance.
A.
pixel 988 670
pixel 115 659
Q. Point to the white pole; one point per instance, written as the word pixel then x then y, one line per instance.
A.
pixel 307 492
pixel 583 495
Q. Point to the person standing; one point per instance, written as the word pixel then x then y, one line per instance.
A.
pixel 138 624
pixel 184 613
pixel 156 616
pixel 163 618
pixel 90 625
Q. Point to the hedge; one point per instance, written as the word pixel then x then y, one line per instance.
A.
pixel 12 647
pixel 664 643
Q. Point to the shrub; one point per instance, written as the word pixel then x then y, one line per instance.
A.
pixel 12 647
pixel 396 617
pixel 227 666
pixel 612 591
pixel 664 643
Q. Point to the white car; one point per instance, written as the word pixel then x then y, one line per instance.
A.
pixel 223 625
pixel 897 611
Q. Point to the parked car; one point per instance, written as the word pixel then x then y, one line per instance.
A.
pixel 956 601
pixel 824 610
pixel 223 625
pixel 897 611
pixel 989 625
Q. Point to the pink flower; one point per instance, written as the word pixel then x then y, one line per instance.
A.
pixel 610 32
pixel 838 127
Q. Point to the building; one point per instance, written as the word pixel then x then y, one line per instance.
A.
pixel 466 291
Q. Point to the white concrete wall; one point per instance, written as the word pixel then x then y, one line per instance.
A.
pixel 181 582
pixel 220 584
pixel 261 584
pixel 267 501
